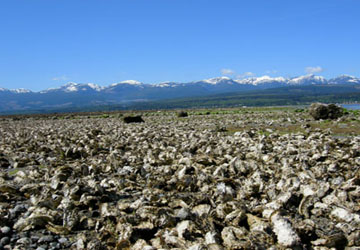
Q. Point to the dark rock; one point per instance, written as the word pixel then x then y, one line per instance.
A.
pixel 25 234
pixel 34 246
pixel 325 111
pixel 34 238
pixel 182 114
pixel 4 163
pixel 14 238
pixel 133 119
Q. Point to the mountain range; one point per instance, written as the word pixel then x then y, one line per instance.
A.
pixel 131 91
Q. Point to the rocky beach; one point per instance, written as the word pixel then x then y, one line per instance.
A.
pixel 219 179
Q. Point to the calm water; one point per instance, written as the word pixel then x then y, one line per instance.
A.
pixel 351 106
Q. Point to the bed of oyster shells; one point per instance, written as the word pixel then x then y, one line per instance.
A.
pixel 178 183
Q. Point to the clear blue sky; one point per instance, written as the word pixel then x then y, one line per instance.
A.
pixel 47 43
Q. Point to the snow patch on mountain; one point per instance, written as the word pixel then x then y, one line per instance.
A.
pixel 94 86
pixel 161 85
pixel 72 87
pixel 20 91
pixel 16 91
pixel 307 79
pixel 132 82
pixel 216 80
pixel 165 85
pixel 129 82
pixel 261 80
pixel 345 79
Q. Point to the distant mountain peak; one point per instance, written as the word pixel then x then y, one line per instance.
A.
pixel 345 78
pixel 165 84
pixel 261 80
pixel 127 82
pixel 94 86
pixel 74 87
pixel 16 91
pixel 345 75
pixel 307 79
pixel 21 90
pixel 132 82
pixel 71 87
pixel 217 80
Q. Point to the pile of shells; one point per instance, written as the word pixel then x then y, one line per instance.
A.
pixel 177 183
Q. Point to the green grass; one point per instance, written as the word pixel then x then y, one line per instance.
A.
pixel 13 172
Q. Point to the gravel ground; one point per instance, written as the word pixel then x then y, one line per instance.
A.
pixel 271 179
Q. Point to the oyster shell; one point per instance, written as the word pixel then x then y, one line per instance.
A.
pixel 281 180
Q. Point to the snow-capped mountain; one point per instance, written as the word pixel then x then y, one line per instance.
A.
pixel 344 79
pixel 217 80
pixel 74 87
pixel 16 91
pixel 79 94
pixel 21 90
pixel 306 80
pixel 165 84
pixel 127 83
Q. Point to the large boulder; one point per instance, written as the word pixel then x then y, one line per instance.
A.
pixel 182 114
pixel 133 119
pixel 325 111
pixel 4 163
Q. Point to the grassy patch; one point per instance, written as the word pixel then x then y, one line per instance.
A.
pixel 13 172
pixel 336 129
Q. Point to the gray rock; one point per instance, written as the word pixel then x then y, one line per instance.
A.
pixel 54 245
pixel 25 234
pixel 5 230
pixel 63 241
pixel 183 213
pixel 5 240
pixel 18 209
pixel 40 248
pixel 46 238
pixel 24 241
